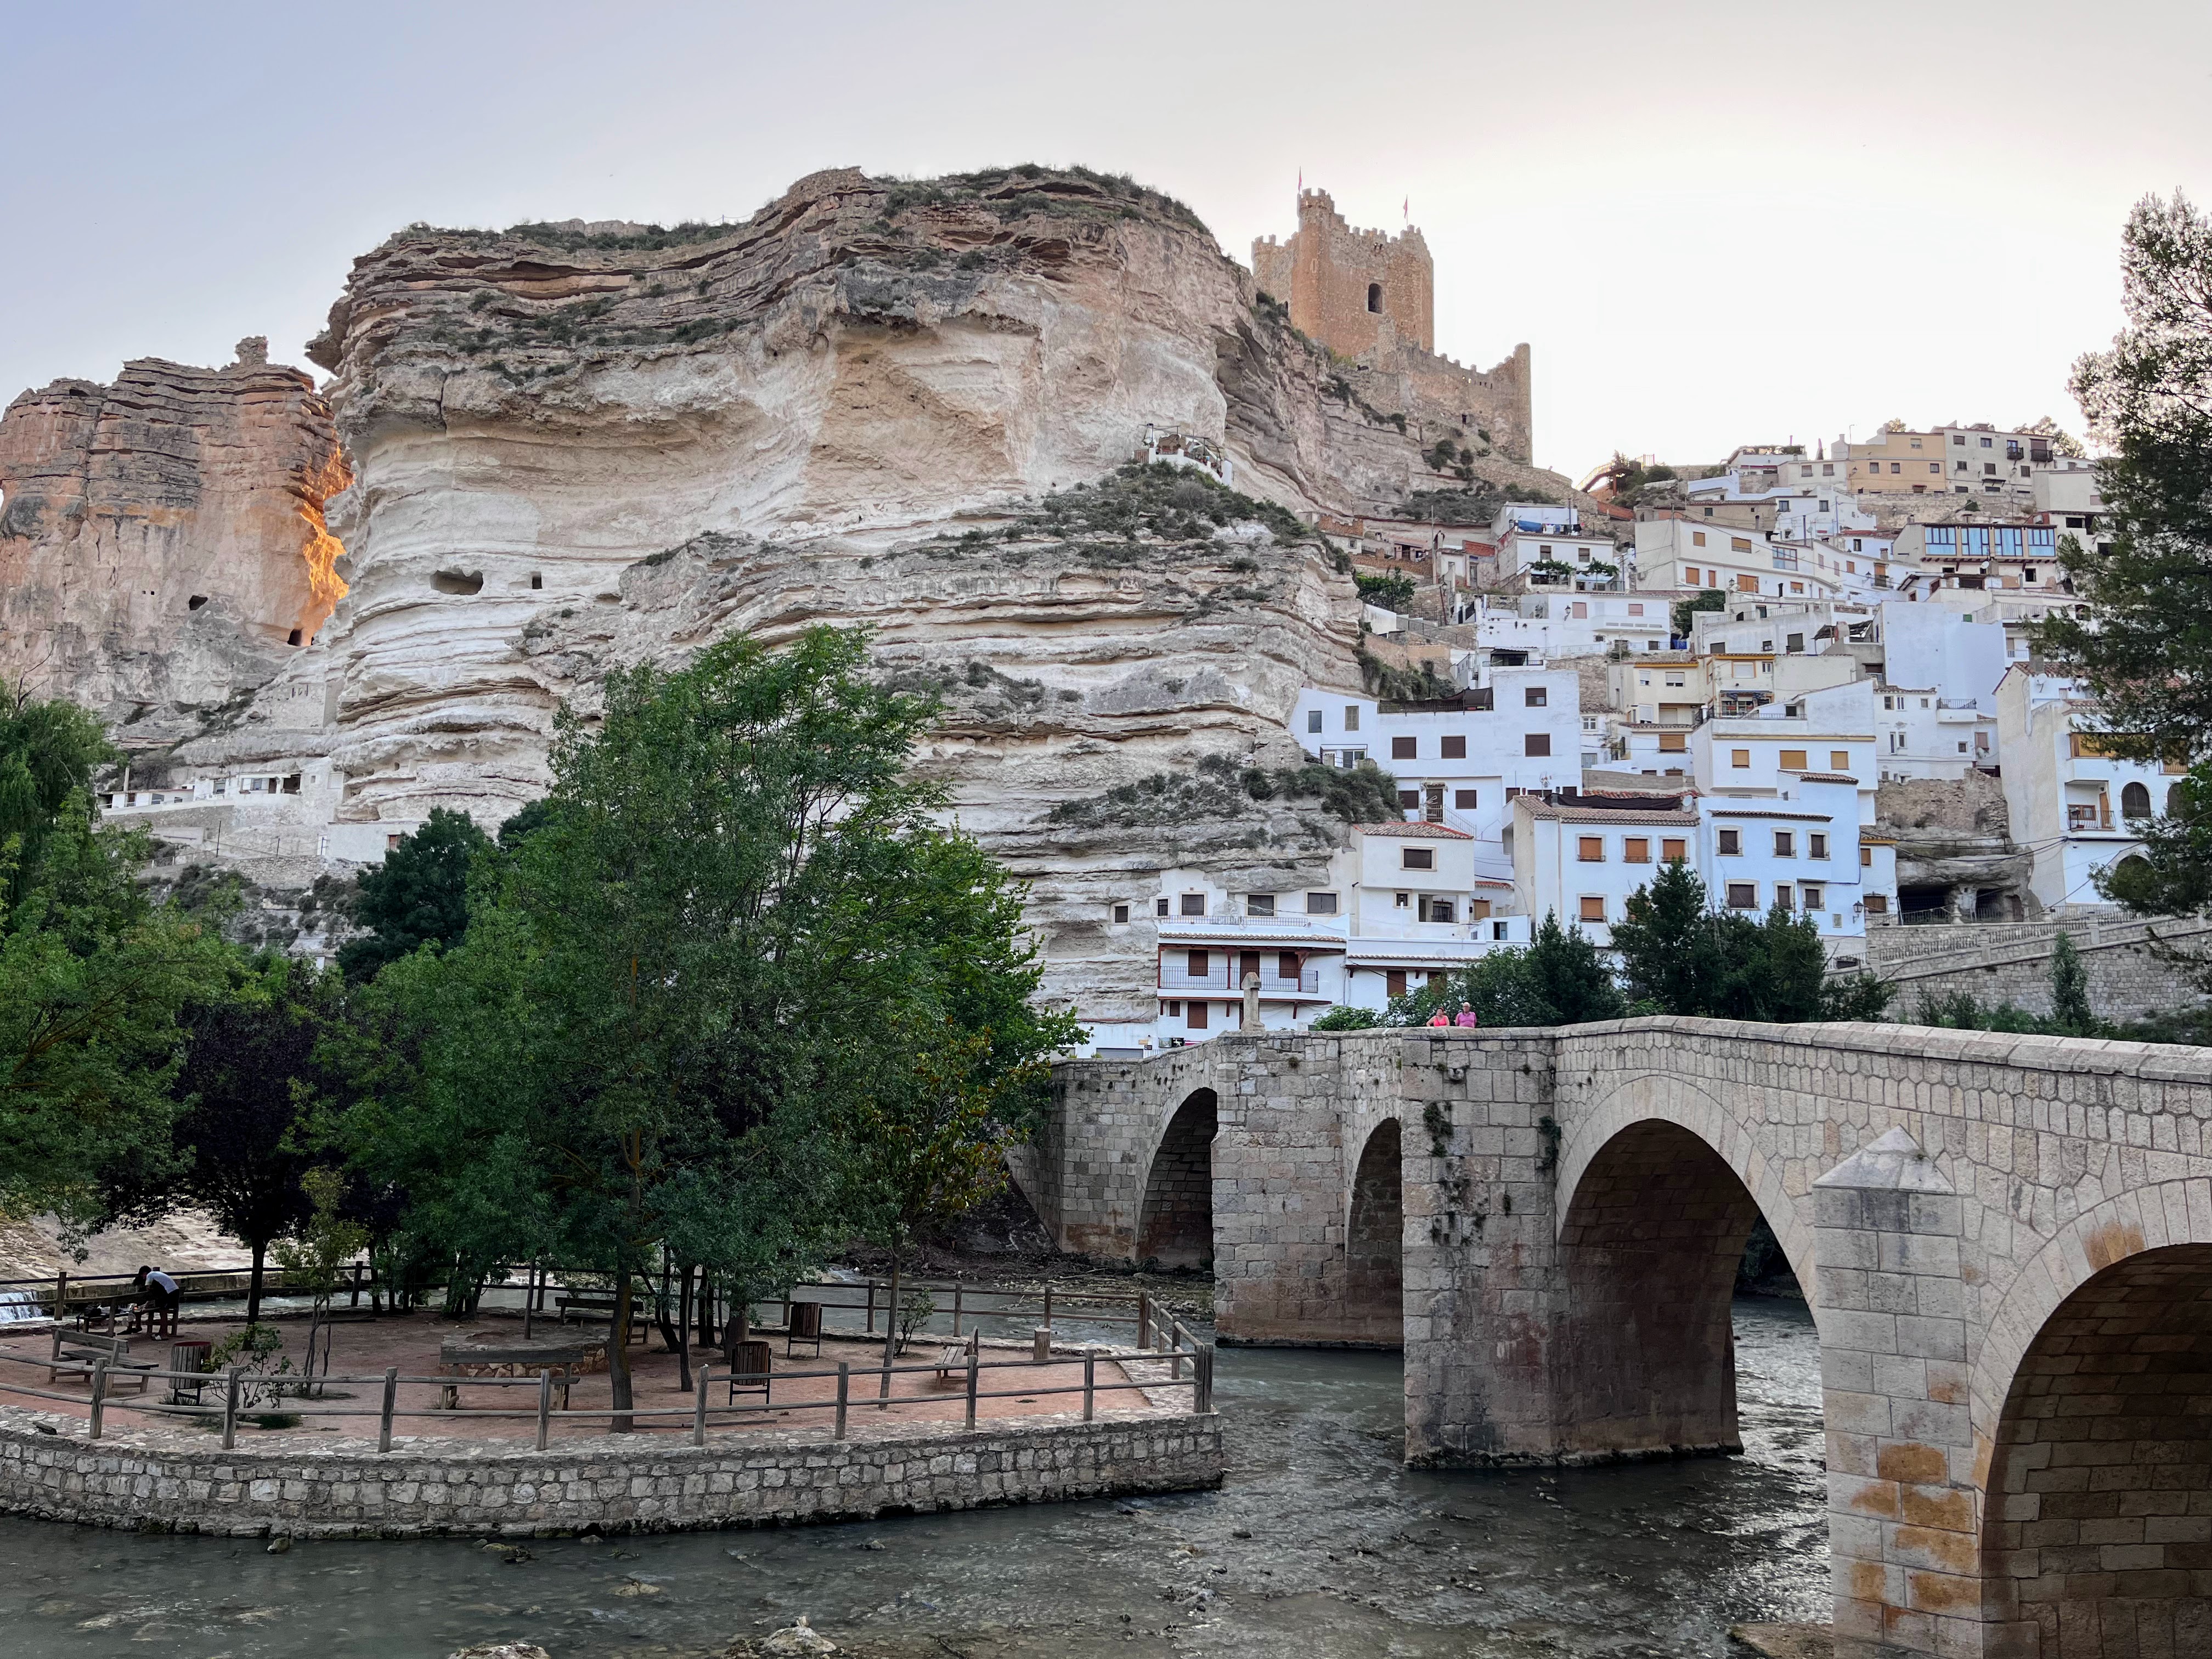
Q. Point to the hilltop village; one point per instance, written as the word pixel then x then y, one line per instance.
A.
pixel 1152 526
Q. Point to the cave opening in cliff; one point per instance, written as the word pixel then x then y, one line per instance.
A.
pixel 457 581
pixel 292 638
pixel 195 601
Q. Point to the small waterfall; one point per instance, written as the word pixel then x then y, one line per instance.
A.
pixel 18 1306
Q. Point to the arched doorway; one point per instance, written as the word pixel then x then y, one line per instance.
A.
pixel 1650 1247
pixel 1174 1228
pixel 2094 1531
pixel 1374 1291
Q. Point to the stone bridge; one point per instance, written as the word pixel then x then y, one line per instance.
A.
pixel 2006 1241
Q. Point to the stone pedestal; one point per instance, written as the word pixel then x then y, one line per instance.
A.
pixel 1902 1492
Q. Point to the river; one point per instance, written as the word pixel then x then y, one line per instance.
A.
pixel 1320 1543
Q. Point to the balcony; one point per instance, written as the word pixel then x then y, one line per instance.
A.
pixel 1221 980
pixel 2084 820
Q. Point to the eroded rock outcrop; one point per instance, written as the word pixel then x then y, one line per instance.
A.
pixel 162 545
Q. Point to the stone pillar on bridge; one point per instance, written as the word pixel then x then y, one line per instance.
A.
pixel 1902 1484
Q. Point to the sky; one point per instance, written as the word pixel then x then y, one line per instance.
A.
pixel 1714 223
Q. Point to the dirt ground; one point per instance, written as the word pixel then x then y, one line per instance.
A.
pixel 802 1391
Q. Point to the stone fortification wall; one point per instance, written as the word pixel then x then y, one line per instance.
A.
pixel 2010 961
pixel 172 1480
pixel 1356 291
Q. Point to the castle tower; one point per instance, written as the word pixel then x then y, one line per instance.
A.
pixel 1357 292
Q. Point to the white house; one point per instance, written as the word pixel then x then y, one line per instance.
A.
pixel 2071 801
pixel 1579 624
pixel 1580 862
pixel 1680 553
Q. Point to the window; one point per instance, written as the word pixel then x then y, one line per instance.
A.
pixel 1121 912
pixel 1738 544
pixel 1592 849
pixel 1935 466
pixel 1690 573
pixel 1417 858
pixel 1793 642
pixel 1321 904
pixel 1866 856
pixel 1636 850
pixel 1730 841
pixel 1746 584
pixel 1793 760
pixel 1454 746
pixel 1404 748
pixel 1404 901
pixel 1697 539
pixel 1839 760
pixel 1313 720
pixel 1258 904
pixel 1743 895
pixel 1897 466
pixel 1286 966
pixel 1877 904
pixel 2134 801
pixel 1200 962
pixel 1674 743
pixel 1533 697
pixel 1536 744
pixel 1740 759
pixel 1197 1019
pixel 1959 438
pixel 1815 896
pixel 1816 845
pixel 1161 907
pixel 1375 298
pixel 1393 982
pixel 1581 610
pixel 1593 909
pixel 1674 851
pixel 1175 1008
pixel 1985 443
pixel 1409 797
pixel 537 580
pixel 1440 910
pixel 1785 844
pixel 1781 896
pixel 1351 717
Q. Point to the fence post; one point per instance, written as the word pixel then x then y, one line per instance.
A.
pixel 1175 1353
pixel 956 1307
pixel 544 1406
pixel 1041 1344
pixel 230 1410
pixel 973 1360
pixel 844 1393
pixel 1201 1380
pixel 528 1296
pixel 1144 1320
pixel 98 1394
pixel 391 1394
pixel 699 1406
pixel 61 1293
pixel 1047 1307
pixel 1090 1385
pixel 871 1306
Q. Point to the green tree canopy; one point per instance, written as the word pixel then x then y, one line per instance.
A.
pixel 418 895
pixel 1686 611
pixel 740 943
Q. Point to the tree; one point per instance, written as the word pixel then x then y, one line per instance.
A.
pixel 1393 590
pixel 249 1091
pixel 92 975
pixel 1686 612
pixel 2069 989
pixel 741 946
pixel 1670 951
pixel 2144 639
pixel 1558 979
pixel 418 895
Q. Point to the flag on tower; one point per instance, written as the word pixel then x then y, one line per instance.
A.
pixel 1409 209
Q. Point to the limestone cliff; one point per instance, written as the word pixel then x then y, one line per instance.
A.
pixel 905 405
pixel 163 547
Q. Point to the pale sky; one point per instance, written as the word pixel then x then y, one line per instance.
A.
pixel 1714 223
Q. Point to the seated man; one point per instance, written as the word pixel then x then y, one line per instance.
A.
pixel 159 1296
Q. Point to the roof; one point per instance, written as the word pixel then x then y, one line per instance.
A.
pixel 1230 935
pixel 1420 832
pixel 1827 777
pixel 1806 817
pixel 1389 952
pixel 1609 815
pixel 1871 838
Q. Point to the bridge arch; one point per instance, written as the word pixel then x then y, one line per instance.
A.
pixel 2092 1405
pixel 1174 1220
pixel 1375 1239
pixel 1658 1096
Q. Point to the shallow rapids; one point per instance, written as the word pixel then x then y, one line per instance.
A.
pixel 1320 1543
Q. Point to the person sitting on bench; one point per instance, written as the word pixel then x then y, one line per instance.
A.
pixel 160 1296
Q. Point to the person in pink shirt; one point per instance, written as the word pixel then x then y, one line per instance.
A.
pixel 1467 1016
pixel 1440 1018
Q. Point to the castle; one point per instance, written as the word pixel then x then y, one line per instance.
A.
pixel 1370 297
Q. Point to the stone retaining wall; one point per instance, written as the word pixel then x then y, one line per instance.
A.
pixel 170 1480
pixel 2010 961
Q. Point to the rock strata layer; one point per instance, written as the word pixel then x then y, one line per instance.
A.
pixel 162 544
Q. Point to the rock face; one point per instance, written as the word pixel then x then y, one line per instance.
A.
pixel 578 446
pixel 163 547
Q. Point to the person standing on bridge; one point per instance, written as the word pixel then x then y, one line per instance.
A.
pixel 1440 1018
pixel 1468 1017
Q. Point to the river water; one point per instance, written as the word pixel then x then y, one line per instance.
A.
pixel 1319 1543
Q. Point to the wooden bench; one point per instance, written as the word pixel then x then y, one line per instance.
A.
pixel 599 1304
pixel 78 1353
pixel 955 1356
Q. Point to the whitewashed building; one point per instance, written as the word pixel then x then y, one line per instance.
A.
pixel 2072 803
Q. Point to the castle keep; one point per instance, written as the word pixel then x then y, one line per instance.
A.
pixel 1370 297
